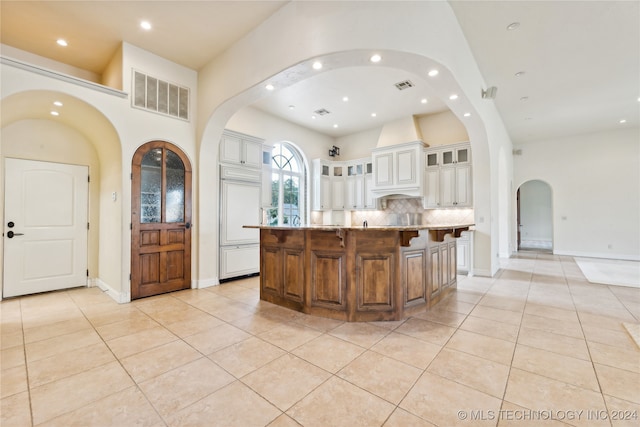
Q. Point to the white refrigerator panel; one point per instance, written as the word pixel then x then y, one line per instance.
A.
pixel 240 206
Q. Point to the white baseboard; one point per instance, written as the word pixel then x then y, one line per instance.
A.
pixel 536 244
pixel 204 283
pixel 624 257
pixel 482 272
pixel 119 297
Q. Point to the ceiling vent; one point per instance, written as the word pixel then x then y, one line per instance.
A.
pixel 404 85
pixel 322 112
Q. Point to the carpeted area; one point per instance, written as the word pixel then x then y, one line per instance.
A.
pixel 610 271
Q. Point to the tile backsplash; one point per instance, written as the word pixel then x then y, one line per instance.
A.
pixel 410 211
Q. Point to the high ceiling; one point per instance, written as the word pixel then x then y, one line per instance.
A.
pixel 581 60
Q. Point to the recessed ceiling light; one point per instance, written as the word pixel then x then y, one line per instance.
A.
pixel 57 104
pixel 55 113
pixel 639 99
pixel 623 121
pixel 269 87
pixel 313 117
pixel 520 73
pixel 375 58
pixel 62 42
pixel 317 65
pixel 292 107
pixel 335 126
pixel 345 98
pixel 453 97
pixel 466 114
pixel 145 25
pixel 524 98
pixel 373 114
pixel 433 73
pixel 513 26
pixel 423 101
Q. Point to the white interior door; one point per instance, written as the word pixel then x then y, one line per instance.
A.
pixel 45 230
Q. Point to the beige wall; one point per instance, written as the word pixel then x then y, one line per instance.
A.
pixel 442 129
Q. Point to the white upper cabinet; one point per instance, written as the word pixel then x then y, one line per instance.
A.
pixel 337 185
pixel 239 149
pixel 398 169
pixel 321 200
pixel 447 180
pixel 342 185
pixel 358 185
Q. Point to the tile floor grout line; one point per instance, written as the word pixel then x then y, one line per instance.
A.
pixel 26 366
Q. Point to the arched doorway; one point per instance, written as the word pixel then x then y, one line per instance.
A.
pixel 82 134
pixel 535 216
pixel 160 220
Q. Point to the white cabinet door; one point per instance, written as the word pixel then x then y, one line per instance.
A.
pixel 321 185
pixel 337 192
pixel 322 193
pixel 355 192
pixel 240 150
pixel 252 156
pixel 447 186
pixel 231 149
pixel 369 199
pixel 383 167
pixel 463 186
pixel 432 188
pixel 406 167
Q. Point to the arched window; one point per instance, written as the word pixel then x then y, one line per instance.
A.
pixel 287 186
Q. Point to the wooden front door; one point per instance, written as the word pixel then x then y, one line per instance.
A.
pixel 160 220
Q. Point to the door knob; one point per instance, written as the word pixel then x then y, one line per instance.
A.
pixel 10 234
pixel 187 225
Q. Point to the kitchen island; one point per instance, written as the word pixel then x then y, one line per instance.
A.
pixel 358 273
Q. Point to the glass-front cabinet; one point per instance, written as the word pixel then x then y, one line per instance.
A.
pixel 448 177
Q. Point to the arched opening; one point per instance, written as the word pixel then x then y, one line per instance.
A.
pixel 535 216
pixel 81 135
pixel 416 64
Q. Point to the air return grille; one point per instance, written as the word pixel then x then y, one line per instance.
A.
pixel 159 96
pixel 404 85
pixel 322 112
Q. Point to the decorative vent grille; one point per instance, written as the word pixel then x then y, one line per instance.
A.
pixel 159 96
pixel 404 85
pixel 322 112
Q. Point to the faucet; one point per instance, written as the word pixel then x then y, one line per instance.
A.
pixel 365 224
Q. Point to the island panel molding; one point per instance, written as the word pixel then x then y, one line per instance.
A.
pixel 358 274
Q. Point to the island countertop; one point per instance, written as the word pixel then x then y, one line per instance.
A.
pixel 370 227
pixel 436 231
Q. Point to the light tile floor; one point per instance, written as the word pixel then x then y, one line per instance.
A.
pixel 535 345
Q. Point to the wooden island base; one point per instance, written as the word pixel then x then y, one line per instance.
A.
pixel 358 274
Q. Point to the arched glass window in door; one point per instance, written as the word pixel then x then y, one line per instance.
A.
pixel 151 191
pixel 287 186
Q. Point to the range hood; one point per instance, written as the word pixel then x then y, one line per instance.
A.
pixel 400 131
pixel 398 160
